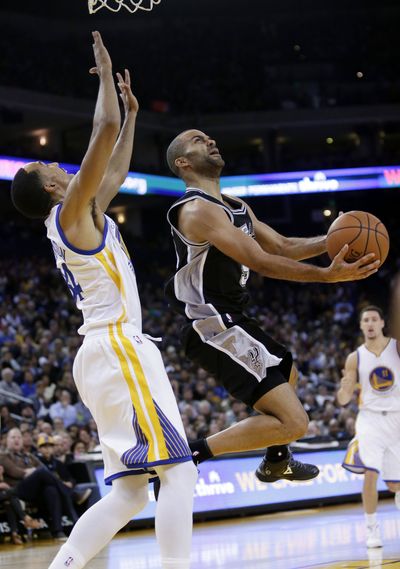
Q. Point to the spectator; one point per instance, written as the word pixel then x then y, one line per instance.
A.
pixel 33 483
pixel 14 511
pixel 64 409
pixel 28 386
pixel 79 493
pixel 8 384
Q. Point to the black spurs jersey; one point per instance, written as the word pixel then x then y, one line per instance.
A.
pixel 207 282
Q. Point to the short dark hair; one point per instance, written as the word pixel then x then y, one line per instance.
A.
pixel 29 196
pixel 372 308
pixel 174 151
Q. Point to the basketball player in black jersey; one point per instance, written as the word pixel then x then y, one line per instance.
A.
pixel 218 239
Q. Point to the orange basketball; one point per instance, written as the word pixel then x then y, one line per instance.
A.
pixel 362 231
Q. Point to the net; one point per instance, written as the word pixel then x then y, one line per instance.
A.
pixel 115 5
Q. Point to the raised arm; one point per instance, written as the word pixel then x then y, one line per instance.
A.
pixel 202 221
pixel 297 248
pixel 118 166
pixel 83 188
pixel 348 381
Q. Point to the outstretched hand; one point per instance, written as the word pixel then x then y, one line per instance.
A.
pixel 101 56
pixel 340 270
pixel 128 98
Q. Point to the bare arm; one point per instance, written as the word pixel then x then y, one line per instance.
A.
pixel 118 166
pixel 202 221
pixel 75 214
pixel 297 248
pixel 349 380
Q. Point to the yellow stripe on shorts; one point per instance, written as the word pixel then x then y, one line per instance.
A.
pixel 111 270
pixel 140 395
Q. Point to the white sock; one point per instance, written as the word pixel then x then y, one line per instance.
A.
pixel 102 521
pixel 67 557
pixel 371 519
pixel 174 514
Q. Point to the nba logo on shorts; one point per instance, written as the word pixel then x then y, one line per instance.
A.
pixel 68 562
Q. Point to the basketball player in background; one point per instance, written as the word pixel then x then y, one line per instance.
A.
pixel 118 371
pixel 218 240
pixel 375 366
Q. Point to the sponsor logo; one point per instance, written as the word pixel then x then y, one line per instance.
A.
pixel 69 562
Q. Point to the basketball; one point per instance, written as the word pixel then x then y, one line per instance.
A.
pixel 362 231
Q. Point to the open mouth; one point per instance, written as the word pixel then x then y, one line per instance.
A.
pixel 215 152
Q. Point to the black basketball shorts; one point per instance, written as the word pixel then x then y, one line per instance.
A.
pixel 239 354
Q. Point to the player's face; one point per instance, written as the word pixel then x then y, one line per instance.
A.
pixel 371 324
pixel 51 172
pixel 202 152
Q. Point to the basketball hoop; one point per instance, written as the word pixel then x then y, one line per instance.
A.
pixel 115 5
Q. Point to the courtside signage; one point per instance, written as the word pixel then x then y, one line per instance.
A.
pixel 286 183
pixel 229 484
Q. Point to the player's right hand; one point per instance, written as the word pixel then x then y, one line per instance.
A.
pixel 340 270
pixel 101 56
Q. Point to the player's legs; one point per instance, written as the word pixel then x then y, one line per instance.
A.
pixel 391 463
pixel 370 504
pixel 257 370
pixel 96 527
pixel 282 420
pixel 174 514
pixel 370 492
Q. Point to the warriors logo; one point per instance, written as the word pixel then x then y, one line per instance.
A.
pixel 381 379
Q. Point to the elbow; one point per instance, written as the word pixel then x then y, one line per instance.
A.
pixel 108 126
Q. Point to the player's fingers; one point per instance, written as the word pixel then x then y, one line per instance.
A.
pixel 93 70
pixel 368 274
pixel 97 38
pixel 365 259
pixel 119 77
pixel 341 255
pixel 127 77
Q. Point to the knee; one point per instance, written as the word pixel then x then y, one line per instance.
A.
pixel 180 475
pixel 129 497
pixel 393 486
pixel 296 427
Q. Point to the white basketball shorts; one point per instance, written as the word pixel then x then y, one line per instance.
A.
pixel 377 445
pixel 121 378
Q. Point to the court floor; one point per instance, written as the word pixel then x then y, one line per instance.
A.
pixel 325 538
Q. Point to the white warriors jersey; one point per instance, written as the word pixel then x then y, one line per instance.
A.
pixel 102 281
pixel 379 378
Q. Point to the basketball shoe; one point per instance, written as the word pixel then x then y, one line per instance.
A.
pixel 374 536
pixel 288 469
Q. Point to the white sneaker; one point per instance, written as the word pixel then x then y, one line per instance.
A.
pixel 397 499
pixel 374 536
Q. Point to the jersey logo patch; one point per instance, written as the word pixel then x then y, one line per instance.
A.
pixel 381 379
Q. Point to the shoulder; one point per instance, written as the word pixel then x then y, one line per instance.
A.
pixel 352 359
pixel 199 206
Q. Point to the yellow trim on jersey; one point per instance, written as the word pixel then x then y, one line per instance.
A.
pixel 140 387
pixel 107 259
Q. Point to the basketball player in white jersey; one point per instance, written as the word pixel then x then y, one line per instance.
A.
pixel 118 371
pixel 375 366
pixel 218 240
